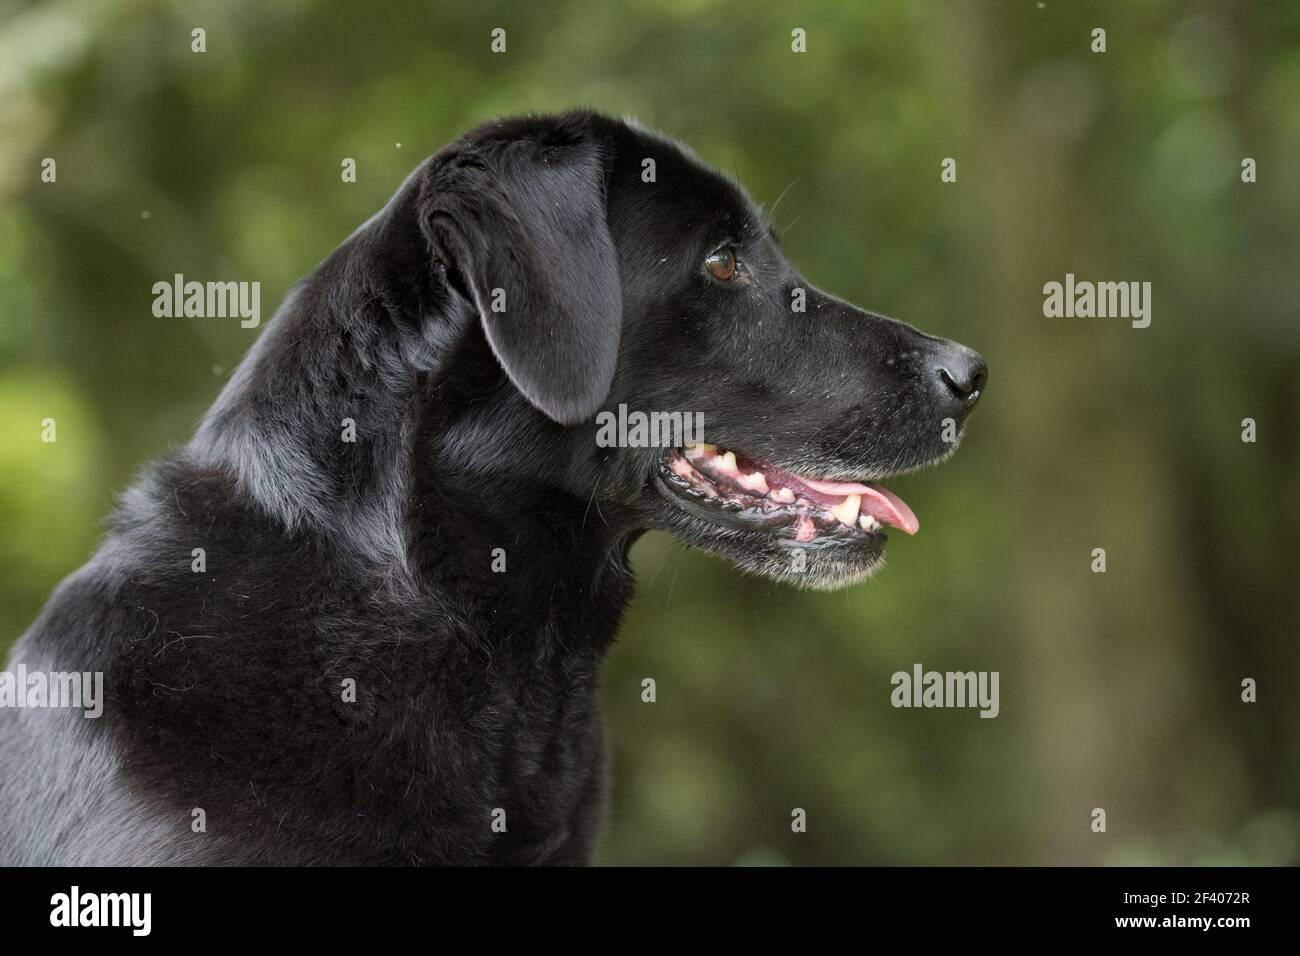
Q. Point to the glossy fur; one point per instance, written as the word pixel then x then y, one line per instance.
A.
pixel 372 561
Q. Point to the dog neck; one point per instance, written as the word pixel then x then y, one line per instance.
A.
pixel 371 413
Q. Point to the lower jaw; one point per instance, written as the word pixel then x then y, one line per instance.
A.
pixel 834 559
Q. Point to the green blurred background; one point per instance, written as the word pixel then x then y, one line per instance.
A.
pixel 1118 690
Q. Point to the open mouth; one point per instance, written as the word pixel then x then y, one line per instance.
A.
pixel 729 488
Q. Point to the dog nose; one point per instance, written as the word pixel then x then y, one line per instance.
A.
pixel 962 372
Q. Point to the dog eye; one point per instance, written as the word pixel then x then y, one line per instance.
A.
pixel 722 264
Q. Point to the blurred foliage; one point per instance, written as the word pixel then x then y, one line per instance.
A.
pixel 1118 690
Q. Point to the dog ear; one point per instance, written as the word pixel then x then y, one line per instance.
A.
pixel 521 225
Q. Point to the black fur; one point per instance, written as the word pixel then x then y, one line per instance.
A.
pixel 372 561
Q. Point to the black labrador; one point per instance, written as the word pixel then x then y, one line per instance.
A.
pixel 361 617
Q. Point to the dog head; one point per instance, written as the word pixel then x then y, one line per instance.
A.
pixel 622 284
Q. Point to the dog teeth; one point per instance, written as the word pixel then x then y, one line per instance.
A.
pixel 783 495
pixel 847 510
pixel 726 463
pixel 755 482
pixel 700 450
pixel 868 523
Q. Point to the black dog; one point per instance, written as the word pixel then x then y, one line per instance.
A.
pixel 387 650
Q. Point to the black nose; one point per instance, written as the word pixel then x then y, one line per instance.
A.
pixel 962 372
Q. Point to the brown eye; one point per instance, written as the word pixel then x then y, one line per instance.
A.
pixel 722 264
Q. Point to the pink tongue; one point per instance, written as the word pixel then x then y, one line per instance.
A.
pixel 881 503
pixel 836 487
